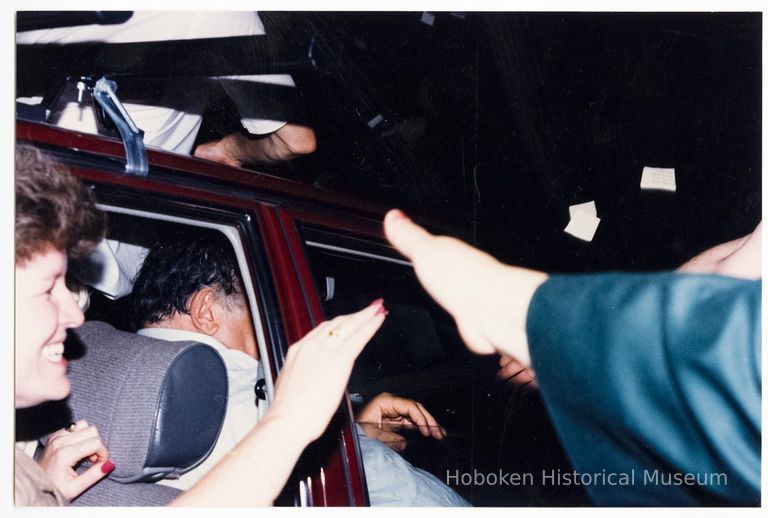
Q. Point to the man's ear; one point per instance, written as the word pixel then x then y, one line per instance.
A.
pixel 202 311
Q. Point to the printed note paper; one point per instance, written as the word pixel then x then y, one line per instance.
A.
pixel 659 178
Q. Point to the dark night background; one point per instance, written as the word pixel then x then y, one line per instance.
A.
pixel 495 123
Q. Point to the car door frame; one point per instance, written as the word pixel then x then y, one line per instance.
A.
pixel 203 188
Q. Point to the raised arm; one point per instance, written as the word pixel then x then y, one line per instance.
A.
pixel 490 309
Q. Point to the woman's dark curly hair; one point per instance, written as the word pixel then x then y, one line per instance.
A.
pixel 176 269
pixel 53 210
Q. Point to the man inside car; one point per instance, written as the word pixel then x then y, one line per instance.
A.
pixel 191 290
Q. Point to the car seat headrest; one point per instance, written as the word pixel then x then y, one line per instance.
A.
pixel 158 405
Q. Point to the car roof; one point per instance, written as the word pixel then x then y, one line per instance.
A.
pixel 106 154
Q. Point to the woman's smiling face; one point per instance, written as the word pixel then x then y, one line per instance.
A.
pixel 45 310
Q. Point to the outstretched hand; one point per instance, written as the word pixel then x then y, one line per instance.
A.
pixel 317 368
pixel 386 414
pixel 489 300
pixel 66 449
pixel 307 393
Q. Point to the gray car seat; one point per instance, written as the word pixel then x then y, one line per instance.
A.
pixel 158 406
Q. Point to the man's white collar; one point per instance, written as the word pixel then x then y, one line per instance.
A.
pixel 233 358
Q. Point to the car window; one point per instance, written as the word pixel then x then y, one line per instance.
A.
pixel 493 426
pixel 132 233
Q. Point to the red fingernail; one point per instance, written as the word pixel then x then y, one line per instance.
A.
pixel 377 302
pixel 398 214
pixel 108 467
pixel 381 311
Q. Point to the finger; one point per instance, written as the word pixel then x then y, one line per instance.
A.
pixel 511 368
pixel 403 233
pixel 416 416
pixel 355 343
pixel 82 435
pixel 63 438
pixel 345 324
pixel 67 431
pixel 397 423
pixel 88 478
pixel 348 324
pixel 81 424
pixel 58 435
pixel 505 360
pixel 435 430
pixel 514 372
pixel 528 377
pixel 84 431
pixel 394 440
pixel 411 411
pixel 74 453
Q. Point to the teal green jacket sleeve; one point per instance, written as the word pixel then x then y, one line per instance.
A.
pixel 656 377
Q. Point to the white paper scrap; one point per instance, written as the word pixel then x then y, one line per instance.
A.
pixel 428 18
pixel 375 121
pixel 583 225
pixel 658 178
pixel 588 207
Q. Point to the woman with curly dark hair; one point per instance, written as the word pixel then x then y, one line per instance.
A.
pixel 55 217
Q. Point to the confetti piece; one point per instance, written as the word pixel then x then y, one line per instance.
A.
pixel 588 207
pixel 658 178
pixel 375 121
pixel 583 225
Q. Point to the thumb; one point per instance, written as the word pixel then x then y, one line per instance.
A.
pixel 403 233
pixel 204 151
pixel 215 152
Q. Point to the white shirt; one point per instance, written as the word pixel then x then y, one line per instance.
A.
pixel 171 123
pixel 242 412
